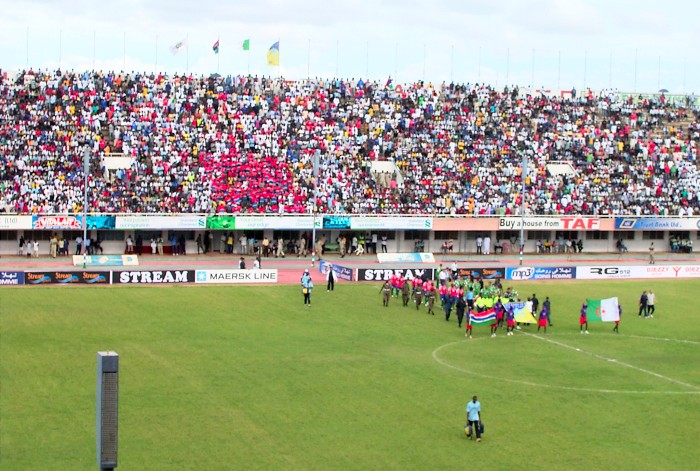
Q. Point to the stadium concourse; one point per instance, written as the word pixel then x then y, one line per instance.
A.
pixel 237 145
pixel 291 268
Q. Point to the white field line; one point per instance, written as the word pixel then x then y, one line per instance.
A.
pixel 543 385
pixel 612 360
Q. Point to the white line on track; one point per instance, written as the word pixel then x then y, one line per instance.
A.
pixel 565 388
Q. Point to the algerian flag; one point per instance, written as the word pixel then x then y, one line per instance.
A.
pixel 605 310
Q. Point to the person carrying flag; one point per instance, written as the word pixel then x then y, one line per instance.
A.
pixel 617 322
pixel 510 319
pixel 498 307
pixel 583 319
pixel 542 322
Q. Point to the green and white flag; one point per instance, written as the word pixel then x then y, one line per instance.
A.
pixel 246 44
pixel 605 310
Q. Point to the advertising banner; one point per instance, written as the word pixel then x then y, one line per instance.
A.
pixel 275 222
pixel 543 224
pixel 221 222
pixel 106 260
pixel 57 222
pixel 657 224
pixel 414 257
pixel 341 273
pixel 153 276
pixel 391 223
pixel 161 222
pixel 234 276
pixel 336 222
pixel 383 274
pixel 540 273
pixel 602 272
pixel 485 273
pixel 101 222
pixel 66 277
pixel 11 278
pixel 15 222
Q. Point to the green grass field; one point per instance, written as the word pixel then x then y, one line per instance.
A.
pixel 217 378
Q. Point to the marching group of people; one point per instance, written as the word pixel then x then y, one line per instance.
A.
pixel 465 295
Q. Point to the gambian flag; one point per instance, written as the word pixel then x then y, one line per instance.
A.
pixel 483 317
pixel 605 310
pixel 522 313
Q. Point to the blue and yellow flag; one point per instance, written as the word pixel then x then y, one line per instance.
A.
pixel 522 313
pixel 273 54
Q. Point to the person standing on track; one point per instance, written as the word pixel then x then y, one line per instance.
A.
pixel 330 278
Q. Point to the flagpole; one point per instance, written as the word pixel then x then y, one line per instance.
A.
pixel 452 62
pixel 507 67
pixel 367 60
pixel 218 55
pixel 479 70
pixel 60 45
pixel 635 71
pixel 279 59
pixel 559 71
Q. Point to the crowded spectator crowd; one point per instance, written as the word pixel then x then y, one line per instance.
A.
pixel 253 145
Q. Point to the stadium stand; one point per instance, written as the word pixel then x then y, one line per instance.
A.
pixel 192 144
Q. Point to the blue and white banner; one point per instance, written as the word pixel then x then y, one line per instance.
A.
pixel 11 278
pixel 276 222
pixel 161 222
pixel 410 257
pixel 540 273
pixel 236 276
pixel 106 260
pixel 391 223
pixel 341 273
pixel 657 224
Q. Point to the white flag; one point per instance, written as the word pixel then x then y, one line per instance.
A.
pixel 178 46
